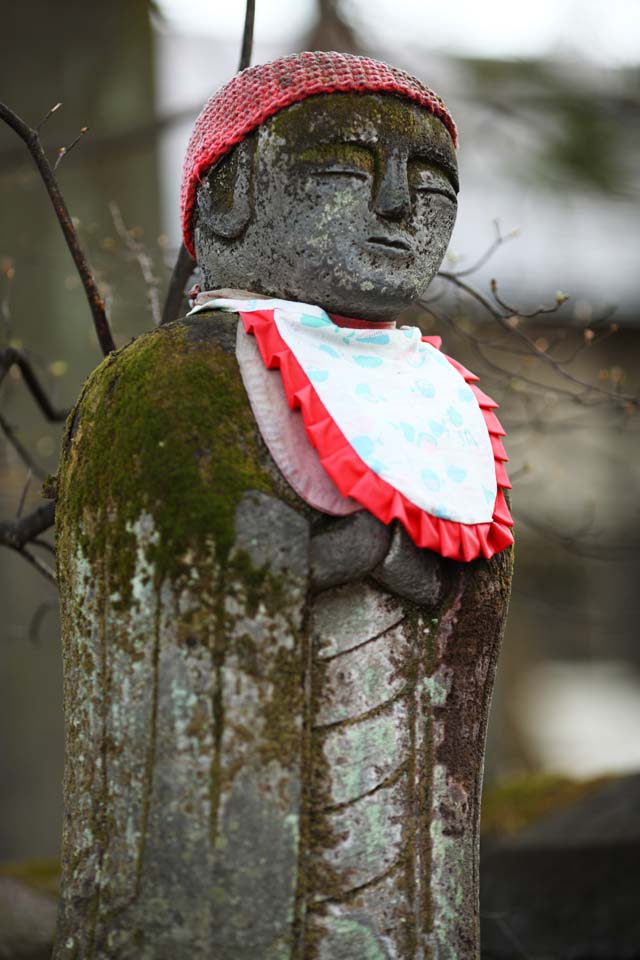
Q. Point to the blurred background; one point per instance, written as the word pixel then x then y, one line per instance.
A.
pixel 546 98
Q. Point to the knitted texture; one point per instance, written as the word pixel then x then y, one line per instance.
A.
pixel 259 92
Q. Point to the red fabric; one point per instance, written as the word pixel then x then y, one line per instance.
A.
pixel 255 94
pixel 354 324
pixel 352 476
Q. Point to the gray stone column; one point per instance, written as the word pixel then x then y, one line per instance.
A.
pixel 275 720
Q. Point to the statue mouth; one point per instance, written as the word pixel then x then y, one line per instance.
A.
pixel 389 245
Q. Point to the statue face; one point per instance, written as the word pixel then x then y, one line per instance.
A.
pixel 343 200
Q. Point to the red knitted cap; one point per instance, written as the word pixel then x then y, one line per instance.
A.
pixel 256 93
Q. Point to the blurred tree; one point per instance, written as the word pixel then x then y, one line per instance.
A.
pixel 332 29
pixel 101 68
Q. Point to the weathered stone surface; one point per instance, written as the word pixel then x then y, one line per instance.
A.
pixel 368 838
pixel 410 572
pixel 378 922
pixel 363 678
pixel 362 842
pixel 344 618
pixel 351 934
pixel 353 159
pixel 348 550
pixel 255 867
pixel 185 707
pixel 273 535
pixel 361 756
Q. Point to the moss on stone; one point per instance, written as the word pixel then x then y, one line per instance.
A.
pixel 260 584
pixel 163 426
pixel 343 108
pixel 295 124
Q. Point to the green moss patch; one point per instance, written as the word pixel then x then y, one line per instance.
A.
pixel 164 427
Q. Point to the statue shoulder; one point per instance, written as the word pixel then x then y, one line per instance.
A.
pixel 169 369
pixel 164 426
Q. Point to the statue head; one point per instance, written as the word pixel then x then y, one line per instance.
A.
pixel 343 195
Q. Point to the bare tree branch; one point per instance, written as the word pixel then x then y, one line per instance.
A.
pixel 38 619
pixel 10 357
pixel 579 542
pixel 499 240
pixel 185 264
pixel 39 564
pixel 140 255
pixel 247 36
pixel 520 314
pixel 20 449
pixel 65 151
pixel 18 533
pixel 184 267
pixel 23 495
pixel 31 139
pixel 47 115
pixel 508 321
pixel 501 373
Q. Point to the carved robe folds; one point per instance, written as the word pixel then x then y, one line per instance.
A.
pixel 275 718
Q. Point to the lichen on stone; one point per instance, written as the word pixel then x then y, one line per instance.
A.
pixel 163 426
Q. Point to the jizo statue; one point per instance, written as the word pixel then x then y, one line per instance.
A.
pixel 285 557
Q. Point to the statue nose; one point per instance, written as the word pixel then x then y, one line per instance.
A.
pixel 392 199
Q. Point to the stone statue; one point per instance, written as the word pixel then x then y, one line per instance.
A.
pixel 276 695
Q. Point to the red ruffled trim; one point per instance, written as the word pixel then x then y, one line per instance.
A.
pixel 352 476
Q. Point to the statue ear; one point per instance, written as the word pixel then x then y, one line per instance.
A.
pixel 225 195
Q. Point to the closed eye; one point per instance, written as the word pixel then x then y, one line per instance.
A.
pixel 426 177
pixel 333 171
pixel 443 191
pixel 338 160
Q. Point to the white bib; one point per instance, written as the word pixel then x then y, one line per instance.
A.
pixel 400 404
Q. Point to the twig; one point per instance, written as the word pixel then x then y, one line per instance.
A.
pixel 47 115
pixel 577 543
pixel 185 264
pixel 247 36
pixel 17 533
pixel 484 302
pixel 504 321
pixel 494 367
pixel 538 312
pixel 124 140
pixel 139 253
pixel 20 449
pixel 65 151
pixel 39 542
pixel 38 619
pixel 39 564
pixel 499 240
pixel 10 357
pixel 182 270
pixel 23 495
pixel 31 139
